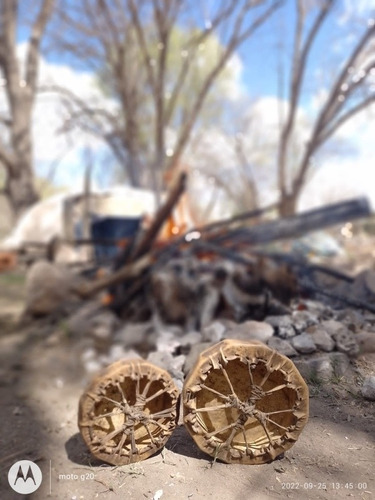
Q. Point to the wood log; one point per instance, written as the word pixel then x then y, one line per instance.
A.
pixel 129 271
pixel 300 224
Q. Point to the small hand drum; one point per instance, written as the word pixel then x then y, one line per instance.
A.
pixel 128 412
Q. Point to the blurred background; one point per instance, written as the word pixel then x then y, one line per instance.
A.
pixel 260 102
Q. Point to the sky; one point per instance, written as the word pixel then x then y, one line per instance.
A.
pixel 256 64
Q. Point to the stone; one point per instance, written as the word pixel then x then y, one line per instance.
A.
pixel 331 326
pixel 302 320
pixel 138 335
pixel 365 341
pixel 368 388
pixel 93 322
pixel 213 332
pixel 370 281
pixel 282 346
pixel 192 357
pixel 340 364
pixel 172 364
pixel 190 339
pixel 346 342
pixel 103 326
pixel 251 330
pixel 315 368
pixel 351 318
pixel 48 288
pixel 283 326
pixel 344 339
pixel 116 352
pixel 324 367
pixel 303 343
pixel 316 308
pixel 167 340
pixel 80 322
pixel 322 340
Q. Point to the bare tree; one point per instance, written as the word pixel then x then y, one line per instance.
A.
pixel 131 41
pixel 348 94
pixel 20 85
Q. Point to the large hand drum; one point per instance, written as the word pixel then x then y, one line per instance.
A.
pixel 244 402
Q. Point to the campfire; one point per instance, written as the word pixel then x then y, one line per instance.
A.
pixel 167 299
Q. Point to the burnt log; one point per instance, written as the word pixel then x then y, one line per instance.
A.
pixel 297 225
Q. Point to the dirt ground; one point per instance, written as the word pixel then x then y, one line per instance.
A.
pixel 41 382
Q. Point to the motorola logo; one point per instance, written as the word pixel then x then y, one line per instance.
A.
pixel 25 477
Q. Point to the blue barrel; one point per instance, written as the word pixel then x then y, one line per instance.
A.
pixel 112 229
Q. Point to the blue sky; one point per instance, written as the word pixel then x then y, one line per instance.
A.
pixel 260 57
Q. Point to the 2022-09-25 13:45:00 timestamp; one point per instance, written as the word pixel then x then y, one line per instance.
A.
pixel 324 486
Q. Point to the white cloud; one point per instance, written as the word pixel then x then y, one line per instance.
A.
pixel 355 8
pixel 49 114
pixel 341 176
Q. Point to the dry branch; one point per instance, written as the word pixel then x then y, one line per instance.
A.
pixel 161 216
pixel 127 272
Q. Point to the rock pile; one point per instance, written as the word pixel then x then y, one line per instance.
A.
pixel 322 342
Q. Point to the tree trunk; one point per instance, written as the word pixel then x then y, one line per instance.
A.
pixel 19 188
pixel 20 182
pixel 288 204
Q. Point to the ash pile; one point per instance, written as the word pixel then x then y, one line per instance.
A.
pixel 167 301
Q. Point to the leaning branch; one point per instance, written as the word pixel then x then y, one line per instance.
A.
pixel 35 41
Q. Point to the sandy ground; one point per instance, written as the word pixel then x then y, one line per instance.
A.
pixel 41 382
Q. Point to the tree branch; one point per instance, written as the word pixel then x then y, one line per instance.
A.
pixel 35 41
pixel 327 114
pixel 236 40
pixel 142 44
pixel 300 58
pixel 335 125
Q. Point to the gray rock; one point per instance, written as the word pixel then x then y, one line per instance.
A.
pixel 370 281
pixel 368 388
pixel 344 339
pixel 324 367
pixel 365 341
pixel 322 340
pixel 251 330
pixel 190 339
pixel 102 329
pixel 351 318
pixel 332 327
pixel 316 308
pixel 282 346
pixel 283 325
pixel 172 364
pixel 138 335
pixel 341 364
pixel 80 322
pixel 303 343
pixel 213 332
pixel 48 288
pixel 193 355
pixel 116 352
pixel 346 342
pixel 167 340
pixel 92 366
pixel 302 320
pixel 318 368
